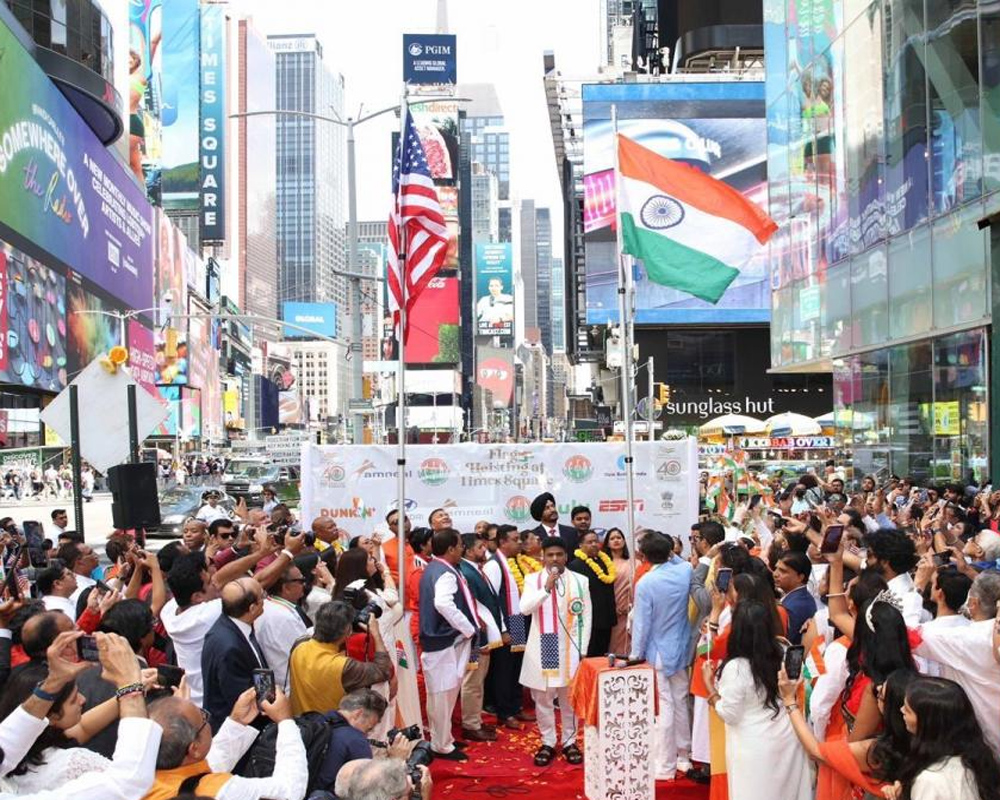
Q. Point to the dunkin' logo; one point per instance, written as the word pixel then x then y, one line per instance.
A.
pixel 578 469
pixel 433 471
pixel 517 509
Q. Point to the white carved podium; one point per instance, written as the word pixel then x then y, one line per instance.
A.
pixel 618 757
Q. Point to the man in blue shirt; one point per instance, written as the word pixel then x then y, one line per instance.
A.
pixel 791 575
pixel 660 633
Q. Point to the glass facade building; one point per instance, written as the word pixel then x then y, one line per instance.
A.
pixel 883 155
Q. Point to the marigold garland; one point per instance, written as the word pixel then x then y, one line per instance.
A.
pixel 609 566
pixel 523 565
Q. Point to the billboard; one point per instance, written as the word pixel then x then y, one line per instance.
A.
pixel 494 289
pixel 290 409
pixel 433 323
pixel 448 198
pixel 145 34
pixel 717 127
pixel 171 285
pixel 62 191
pixel 180 113
pixel 495 373
pixel 91 330
pixel 142 355
pixel 429 58
pixel 319 318
pixel 212 154
pixel 32 322
pixel 437 125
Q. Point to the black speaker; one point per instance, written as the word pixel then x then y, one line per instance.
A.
pixel 135 502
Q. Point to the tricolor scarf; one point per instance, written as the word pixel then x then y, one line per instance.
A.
pixel 555 662
pixel 516 626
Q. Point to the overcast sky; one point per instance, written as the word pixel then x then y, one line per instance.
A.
pixel 498 42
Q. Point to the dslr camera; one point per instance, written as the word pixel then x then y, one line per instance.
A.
pixel 420 757
pixel 413 733
pixel 363 609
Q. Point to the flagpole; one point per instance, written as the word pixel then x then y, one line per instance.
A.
pixel 624 310
pixel 401 369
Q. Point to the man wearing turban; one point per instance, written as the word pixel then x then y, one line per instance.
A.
pixel 543 510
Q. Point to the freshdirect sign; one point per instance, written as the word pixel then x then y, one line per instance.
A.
pixel 211 146
pixel 62 191
pixel 429 58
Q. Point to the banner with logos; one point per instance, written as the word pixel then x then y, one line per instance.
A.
pixel 62 191
pixel 357 485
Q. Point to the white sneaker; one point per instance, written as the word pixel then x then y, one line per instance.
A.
pixel 684 765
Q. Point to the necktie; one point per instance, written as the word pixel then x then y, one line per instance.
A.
pixel 257 650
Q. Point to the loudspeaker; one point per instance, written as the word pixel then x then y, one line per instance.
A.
pixel 135 501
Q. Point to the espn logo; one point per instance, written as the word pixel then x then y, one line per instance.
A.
pixel 620 506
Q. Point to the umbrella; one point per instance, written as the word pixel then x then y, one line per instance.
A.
pixel 847 418
pixel 789 424
pixel 731 425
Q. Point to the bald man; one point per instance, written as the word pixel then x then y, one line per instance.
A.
pixel 231 652
pixel 341 787
pixel 327 533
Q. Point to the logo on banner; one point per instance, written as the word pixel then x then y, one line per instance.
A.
pixel 409 503
pixel 517 509
pixel 433 471
pixel 358 510
pixel 334 475
pixel 668 469
pixel 578 469
pixel 620 506
pixel 667 501
pixel 416 49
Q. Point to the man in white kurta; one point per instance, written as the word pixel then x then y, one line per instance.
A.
pixel 558 602
pixel 448 623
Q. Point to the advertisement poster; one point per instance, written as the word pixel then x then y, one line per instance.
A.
pixel 357 486
pixel 448 198
pixel 91 330
pixel 213 124
pixel 437 125
pixel 433 324
pixel 4 305
pixel 171 398
pixel 171 284
pixel 141 355
pixel 319 318
pixel 494 290
pixel 290 411
pixel 145 93
pixel 716 127
pixel 180 113
pixel 429 58
pixel 35 311
pixel 199 351
pixel 62 190
pixel 495 374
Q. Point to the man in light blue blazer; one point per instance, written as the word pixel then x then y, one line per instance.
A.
pixel 660 634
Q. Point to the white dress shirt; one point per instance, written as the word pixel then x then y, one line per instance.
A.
pixel 187 630
pixel 967 653
pixel 291 770
pixel 276 631
pixel 83 582
pixel 913 602
pixel 933 668
pixel 827 689
pixel 246 630
pixel 208 514
pixel 64 604
pixel 128 777
pixel 18 732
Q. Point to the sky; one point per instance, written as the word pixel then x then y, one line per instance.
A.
pixel 498 42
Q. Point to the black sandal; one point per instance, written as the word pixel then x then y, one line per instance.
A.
pixel 572 754
pixel 544 756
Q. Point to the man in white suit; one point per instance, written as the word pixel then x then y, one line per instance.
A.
pixel 558 602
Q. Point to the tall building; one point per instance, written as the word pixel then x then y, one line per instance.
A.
pixel 488 143
pixel 311 175
pixel 318 368
pixel 485 205
pixel 256 245
pixel 527 271
pixel 557 292
pixel 372 239
pixel 886 193
pixel 543 275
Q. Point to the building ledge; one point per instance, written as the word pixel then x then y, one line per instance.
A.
pixel 814 366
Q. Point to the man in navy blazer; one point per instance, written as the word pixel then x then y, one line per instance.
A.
pixel 791 575
pixel 231 652
pixel 543 510
pixel 660 634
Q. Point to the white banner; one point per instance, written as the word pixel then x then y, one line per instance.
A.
pixel 357 485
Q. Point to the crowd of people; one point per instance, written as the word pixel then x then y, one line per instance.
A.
pixel 817 643
pixel 51 482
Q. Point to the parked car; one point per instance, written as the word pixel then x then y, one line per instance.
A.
pixel 181 502
pixel 247 477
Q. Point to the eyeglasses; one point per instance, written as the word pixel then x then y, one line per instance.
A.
pixel 296 580
pixel 205 719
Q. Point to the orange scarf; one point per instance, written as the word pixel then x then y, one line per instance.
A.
pixel 168 781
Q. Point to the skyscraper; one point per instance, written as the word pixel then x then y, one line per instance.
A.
pixel 311 175
pixel 256 223
pixel 543 275
pixel 488 143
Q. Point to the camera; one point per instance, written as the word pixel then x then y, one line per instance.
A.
pixel 413 733
pixel 363 610
pixel 420 757
pixel 279 532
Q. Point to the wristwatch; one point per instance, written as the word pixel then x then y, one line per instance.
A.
pixel 41 694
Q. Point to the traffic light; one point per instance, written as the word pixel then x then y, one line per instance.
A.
pixel 663 393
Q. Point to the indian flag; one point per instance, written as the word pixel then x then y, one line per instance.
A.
pixel 691 231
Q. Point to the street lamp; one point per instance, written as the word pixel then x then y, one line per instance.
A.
pixel 357 377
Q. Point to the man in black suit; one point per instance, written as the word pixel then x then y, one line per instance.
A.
pixel 543 510
pixel 231 652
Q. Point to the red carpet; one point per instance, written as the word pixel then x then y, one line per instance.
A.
pixel 504 768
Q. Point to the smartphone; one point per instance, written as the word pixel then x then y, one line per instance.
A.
pixel 168 675
pixel 86 649
pixel 794 656
pixel 942 558
pixel 33 538
pixel 722 579
pixel 11 586
pixel 263 684
pixel 754 501
pixel 831 539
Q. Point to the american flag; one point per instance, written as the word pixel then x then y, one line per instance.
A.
pixel 415 211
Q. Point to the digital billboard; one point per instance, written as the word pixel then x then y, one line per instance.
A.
pixel 90 327
pixel 319 318
pixel 448 199
pixel 718 127
pixel 212 155
pixel 433 323
pixel 145 35
pixel 62 191
pixel 494 289
pixel 437 125
pixel 171 282
pixel 495 373
pixel 429 58
pixel 181 97
pixel 141 355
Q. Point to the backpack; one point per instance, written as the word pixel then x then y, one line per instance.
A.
pixel 315 730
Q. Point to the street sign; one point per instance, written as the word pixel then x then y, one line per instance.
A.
pixel 360 405
pixel 639 427
pixel 642 409
pixel 603 415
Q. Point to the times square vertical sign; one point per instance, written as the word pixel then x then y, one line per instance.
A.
pixel 211 140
